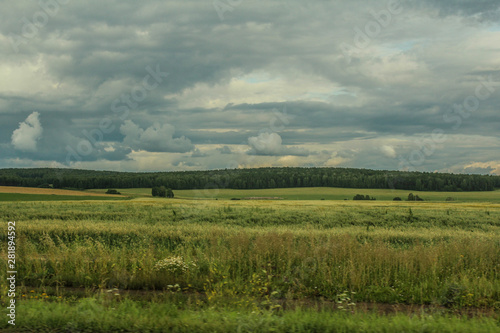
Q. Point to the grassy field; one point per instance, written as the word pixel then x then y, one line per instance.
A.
pixel 255 265
pixel 91 315
pixel 318 193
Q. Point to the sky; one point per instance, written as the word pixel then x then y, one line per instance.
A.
pixel 198 85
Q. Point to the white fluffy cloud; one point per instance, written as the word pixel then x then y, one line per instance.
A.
pixel 29 132
pixel 156 138
pixel 266 143
pixel 388 151
pixel 271 144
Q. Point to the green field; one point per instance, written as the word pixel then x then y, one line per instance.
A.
pixel 318 193
pixel 255 265
pixel 307 193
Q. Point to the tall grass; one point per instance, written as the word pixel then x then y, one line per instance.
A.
pixel 93 315
pixel 286 252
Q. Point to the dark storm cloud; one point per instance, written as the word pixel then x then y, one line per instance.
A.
pixel 224 150
pixel 167 76
pixel 484 171
pixel 486 9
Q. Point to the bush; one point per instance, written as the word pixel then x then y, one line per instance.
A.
pixel 363 197
pixel 397 199
pixel 162 191
pixel 412 197
pixel 112 191
pixel 450 199
pixel 159 191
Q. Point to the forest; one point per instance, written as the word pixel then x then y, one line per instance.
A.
pixel 258 178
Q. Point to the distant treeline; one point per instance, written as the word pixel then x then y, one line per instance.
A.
pixel 249 179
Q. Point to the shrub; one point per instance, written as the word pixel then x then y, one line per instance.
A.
pixel 159 191
pixel 412 197
pixel 363 197
pixel 112 191
pixel 162 191
pixel 397 199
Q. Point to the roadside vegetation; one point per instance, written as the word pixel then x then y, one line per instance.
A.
pixel 208 265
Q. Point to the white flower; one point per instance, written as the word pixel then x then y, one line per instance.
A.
pixel 174 265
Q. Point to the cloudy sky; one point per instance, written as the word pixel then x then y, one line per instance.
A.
pixel 188 85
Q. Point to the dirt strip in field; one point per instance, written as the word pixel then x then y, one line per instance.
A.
pixel 49 191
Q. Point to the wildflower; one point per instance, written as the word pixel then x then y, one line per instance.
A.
pixel 174 265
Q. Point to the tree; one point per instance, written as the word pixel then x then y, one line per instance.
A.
pixel 359 197
pixel 159 191
pixel 249 179
pixel 162 192
pixel 411 197
pixel 363 197
pixel 170 193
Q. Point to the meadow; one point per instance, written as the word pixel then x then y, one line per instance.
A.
pixel 320 193
pixel 256 265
